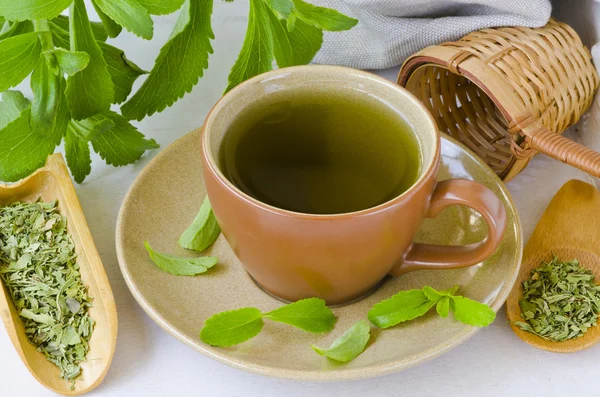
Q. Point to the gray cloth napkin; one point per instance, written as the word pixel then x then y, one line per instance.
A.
pixel 389 31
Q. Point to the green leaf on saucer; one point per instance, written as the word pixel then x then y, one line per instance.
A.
pixel 404 306
pixel 181 266
pixel 311 315
pixel 443 306
pixel 348 346
pixel 232 327
pixel 203 231
pixel 471 312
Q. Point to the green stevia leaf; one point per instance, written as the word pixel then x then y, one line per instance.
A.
pixel 60 29
pixel 123 144
pixel 311 315
pixel 443 306
pixel 232 327
pixel 70 62
pixel 181 266
pixel 22 150
pixel 348 346
pixel 256 55
pixel 297 47
pixel 161 7
pixel 281 8
pixel 18 57
pixel 179 65
pixel 435 295
pixel 15 28
pixel 471 312
pixel 20 10
pixel 122 71
pixel 113 29
pixel 130 15
pixel 203 231
pixel 404 306
pixel 91 90
pixel 90 128
pixel 12 105
pixel 322 18
pixel 49 114
pixel 77 153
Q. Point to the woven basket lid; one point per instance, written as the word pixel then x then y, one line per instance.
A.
pixel 508 93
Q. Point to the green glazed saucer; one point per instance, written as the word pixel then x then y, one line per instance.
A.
pixel 167 195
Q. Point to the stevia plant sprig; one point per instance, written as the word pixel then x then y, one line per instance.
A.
pixel 77 77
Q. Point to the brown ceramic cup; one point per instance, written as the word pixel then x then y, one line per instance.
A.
pixel 340 257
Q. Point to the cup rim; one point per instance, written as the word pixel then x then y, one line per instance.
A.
pixel 211 164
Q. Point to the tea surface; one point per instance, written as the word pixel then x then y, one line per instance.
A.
pixel 321 153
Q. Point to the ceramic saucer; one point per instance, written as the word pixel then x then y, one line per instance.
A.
pixel 167 195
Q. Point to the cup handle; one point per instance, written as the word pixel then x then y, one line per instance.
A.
pixel 458 192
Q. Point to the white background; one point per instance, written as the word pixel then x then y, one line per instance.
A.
pixel 148 362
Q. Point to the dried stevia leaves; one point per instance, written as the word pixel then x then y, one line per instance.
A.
pixel 38 266
pixel 560 301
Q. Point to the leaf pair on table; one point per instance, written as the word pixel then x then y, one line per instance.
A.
pixel 236 326
pixel 408 305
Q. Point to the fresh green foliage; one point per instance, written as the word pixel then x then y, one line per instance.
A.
pixel 179 65
pixel 22 149
pixel 39 269
pixel 70 62
pixel 77 152
pixel 203 231
pixel 122 71
pixel 311 315
pixel 113 29
pixel 348 346
pixel 20 10
pixel 256 56
pixel 404 306
pixel 408 305
pixel 129 14
pixel 20 54
pixel 232 327
pixel 49 114
pixel 91 90
pixel 36 40
pixel 266 39
pixel 560 301
pixel 322 18
pixel 471 312
pixel 122 144
pixel 181 266
pixel 161 7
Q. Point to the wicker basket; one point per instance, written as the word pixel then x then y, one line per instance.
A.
pixel 508 93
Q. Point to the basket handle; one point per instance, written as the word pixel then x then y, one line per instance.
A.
pixel 563 149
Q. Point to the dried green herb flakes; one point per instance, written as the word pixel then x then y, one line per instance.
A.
pixel 38 266
pixel 560 301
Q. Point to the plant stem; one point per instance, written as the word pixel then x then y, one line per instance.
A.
pixel 41 26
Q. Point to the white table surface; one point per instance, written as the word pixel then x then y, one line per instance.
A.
pixel 149 362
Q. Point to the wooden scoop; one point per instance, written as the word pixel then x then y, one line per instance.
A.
pixel 53 182
pixel 569 228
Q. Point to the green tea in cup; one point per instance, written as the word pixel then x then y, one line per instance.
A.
pixel 324 152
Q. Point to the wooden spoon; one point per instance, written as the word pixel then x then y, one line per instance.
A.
pixel 569 228
pixel 53 182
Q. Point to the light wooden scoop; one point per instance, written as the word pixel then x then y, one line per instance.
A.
pixel 52 182
pixel 569 228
